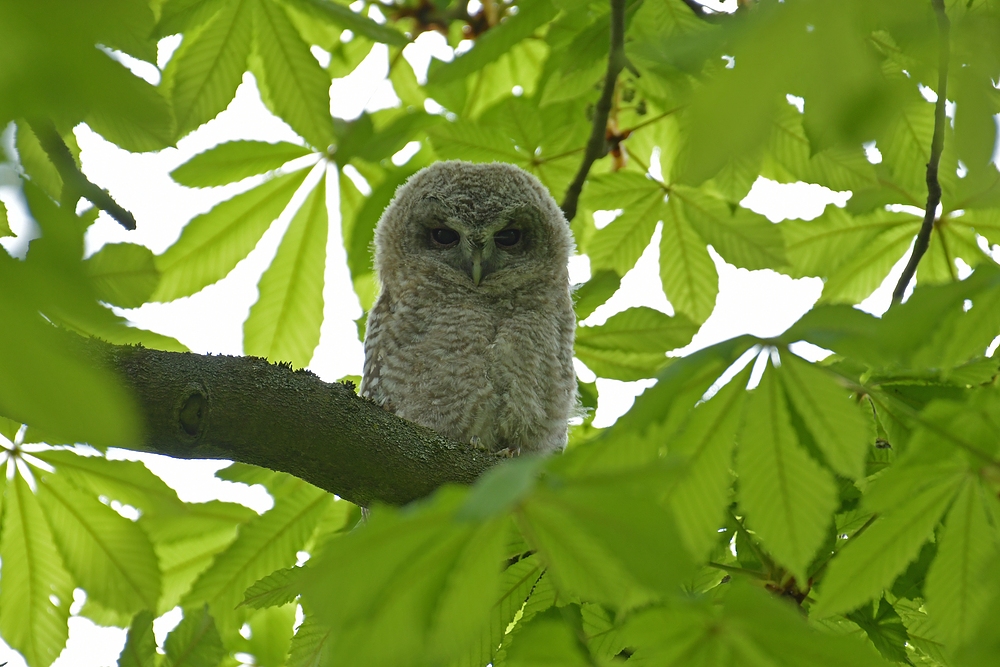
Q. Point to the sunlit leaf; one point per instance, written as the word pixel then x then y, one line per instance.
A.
pixel 263 545
pixel 869 562
pixel 37 590
pixel 687 272
pixel 788 498
pixel 956 597
pixel 835 420
pixel 284 323
pixel 195 642
pixel 292 83
pixel 235 160
pixel 203 75
pixel 123 274
pixel 212 243
pixel 140 644
pixel 109 556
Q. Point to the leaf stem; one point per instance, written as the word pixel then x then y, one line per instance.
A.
pixel 597 145
pixel 761 556
pixel 737 570
pixel 75 184
pixel 826 561
pixel 937 145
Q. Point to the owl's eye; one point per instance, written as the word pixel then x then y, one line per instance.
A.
pixel 507 238
pixel 444 237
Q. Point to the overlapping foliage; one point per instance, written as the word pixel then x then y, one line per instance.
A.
pixel 840 513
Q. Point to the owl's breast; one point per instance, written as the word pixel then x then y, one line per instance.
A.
pixel 499 371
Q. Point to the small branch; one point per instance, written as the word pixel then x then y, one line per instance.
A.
pixel 597 144
pixel 75 184
pixel 937 145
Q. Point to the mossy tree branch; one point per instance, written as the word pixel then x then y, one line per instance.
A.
pixel 246 409
pixel 923 239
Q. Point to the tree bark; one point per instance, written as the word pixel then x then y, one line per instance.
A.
pixel 246 409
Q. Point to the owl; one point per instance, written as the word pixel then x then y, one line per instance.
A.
pixel 472 331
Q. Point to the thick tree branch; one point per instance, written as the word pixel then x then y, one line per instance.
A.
pixel 597 145
pixel 937 145
pixel 247 409
pixel 75 184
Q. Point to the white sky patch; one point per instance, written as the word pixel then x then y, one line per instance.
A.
pixel 784 201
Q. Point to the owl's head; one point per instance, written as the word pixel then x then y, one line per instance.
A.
pixel 489 227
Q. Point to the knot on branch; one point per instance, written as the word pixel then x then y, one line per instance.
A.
pixel 192 411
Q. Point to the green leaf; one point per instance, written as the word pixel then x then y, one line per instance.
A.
pixel 178 16
pixel 270 635
pixel 276 589
pixel 212 243
pixel 468 141
pixel 640 329
pixel 5 229
pixel 596 291
pixel 342 17
pixel 44 378
pixel 138 118
pixel 235 160
pixel 687 271
pixel 495 42
pixel 606 539
pixel 788 498
pixel 430 581
pixel 110 557
pixel 517 583
pixel 292 84
pixel 867 564
pixel 741 236
pixel 547 639
pixel 858 277
pixel 195 642
pixel 203 75
pixel 619 245
pixel 747 627
pixel 284 323
pixel 885 628
pixel 140 644
pixel 956 596
pixel 834 418
pixel 263 545
pixel 309 645
pixel 123 274
pixel 37 590
pixel 699 498
pixel 632 344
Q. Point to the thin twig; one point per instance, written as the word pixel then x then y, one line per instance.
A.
pixel 75 184
pixel 597 146
pixel 937 145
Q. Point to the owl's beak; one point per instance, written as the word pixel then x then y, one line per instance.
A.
pixel 477 265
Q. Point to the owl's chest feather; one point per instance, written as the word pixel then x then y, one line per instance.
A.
pixel 496 371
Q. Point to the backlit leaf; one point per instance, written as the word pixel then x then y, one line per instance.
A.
pixel 123 274
pixel 284 323
pixel 233 161
pixel 788 498
pixel 212 243
pixel 195 642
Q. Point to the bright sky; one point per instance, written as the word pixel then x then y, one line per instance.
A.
pixel 763 303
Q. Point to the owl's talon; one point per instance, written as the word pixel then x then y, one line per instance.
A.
pixel 477 443
pixel 510 452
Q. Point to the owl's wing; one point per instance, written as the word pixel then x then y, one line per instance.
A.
pixel 371 386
